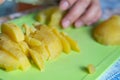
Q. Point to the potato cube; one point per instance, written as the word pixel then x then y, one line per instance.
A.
pixel 91 68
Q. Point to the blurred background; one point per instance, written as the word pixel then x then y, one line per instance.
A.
pixel 10 9
pixel 110 7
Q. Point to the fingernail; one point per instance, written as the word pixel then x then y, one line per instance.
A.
pixel 65 23
pixel 78 24
pixel 64 5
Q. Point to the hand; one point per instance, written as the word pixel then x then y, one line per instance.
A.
pixel 2 1
pixel 80 12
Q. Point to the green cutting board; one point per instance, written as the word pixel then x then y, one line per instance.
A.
pixel 73 65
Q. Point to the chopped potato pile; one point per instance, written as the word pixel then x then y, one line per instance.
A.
pixel 37 45
pixel 108 32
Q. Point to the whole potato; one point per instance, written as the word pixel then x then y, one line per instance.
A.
pixel 108 32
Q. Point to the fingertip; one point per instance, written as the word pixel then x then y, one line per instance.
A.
pixel 64 5
pixel 65 23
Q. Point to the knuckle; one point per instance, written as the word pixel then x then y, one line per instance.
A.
pixel 84 3
pixel 71 2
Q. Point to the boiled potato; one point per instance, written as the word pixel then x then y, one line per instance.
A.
pixel 65 44
pixel 49 39
pixel 37 44
pixel 55 17
pixel 50 16
pixel 24 47
pixel 108 32
pixel 14 50
pixel 44 16
pixel 32 41
pixel 41 17
pixel 48 12
pixel 73 43
pixel 13 31
pixel 91 68
pixel 42 51
pixel 7 62
pixel 37 59
pixel 28 29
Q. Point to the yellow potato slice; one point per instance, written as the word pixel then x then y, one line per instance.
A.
pixel 27 29
pixel 73 43
pixel 7 62
pixel 24 47
pixel 47 37
pixel 14 50
pixel 65 44
pixel 55 17
pixel 48 12
pixel 32 29
pixel 44 16
pixel 36 57
pixel 42 51
pixel 41 17
pixel 13 31
pixel 32 41
pixel 50 16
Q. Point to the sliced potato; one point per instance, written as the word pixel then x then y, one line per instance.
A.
pixel 42 51
pixel 27 29
pixel 7 62
pixel 50 16
pixel 41 17
pixel 13 31
pixel 65 44
pixel 39 44
pixel 32 29
pixel 73 44
pixel 24 47
pixel 55 17
pixel 52 43
pixel 14 50
pixel 32 41
pixel 48 12
pixel 37 59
